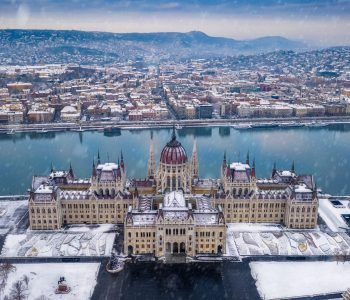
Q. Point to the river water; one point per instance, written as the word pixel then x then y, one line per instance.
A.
pixel 323 152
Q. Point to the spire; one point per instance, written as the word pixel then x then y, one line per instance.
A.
pixel 247 159
pixel 151 172
pixel 194 161
pixel 98 157
pixel 121 160
pixel 228 172
pixel 173 135
pixel 274 169
pixel 293 167
pixel 314 192
pixel 253 169
pixel 51 168
pixel 71 173
pixel 94 173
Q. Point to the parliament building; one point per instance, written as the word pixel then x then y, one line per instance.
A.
pixel 173 210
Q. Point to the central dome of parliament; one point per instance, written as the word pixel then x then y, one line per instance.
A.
pixel 173 153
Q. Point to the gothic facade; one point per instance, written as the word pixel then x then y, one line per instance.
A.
pixel 173 210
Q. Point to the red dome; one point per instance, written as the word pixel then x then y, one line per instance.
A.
pixel 173 153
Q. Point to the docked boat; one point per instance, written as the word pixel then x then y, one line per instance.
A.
pixel 11 132
pixel 42 131
pixel 264 125
pixel 317 124
pixel 178 126
pixel 291 124
pixel 242 126
pixel 79 130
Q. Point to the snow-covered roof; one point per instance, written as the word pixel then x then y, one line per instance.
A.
pixel 238 166
pixel 205 218
pixel 204 204
pixel 110 166
pixel 176 216
pixel 174 199
pixel 144 218
pixel 74 194
pixel 302 188
pixel 58 174
pixel 286 173
pixel 44 189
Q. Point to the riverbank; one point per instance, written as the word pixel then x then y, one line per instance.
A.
pixel 115 125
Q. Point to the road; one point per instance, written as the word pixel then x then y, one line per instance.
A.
pixel 100 125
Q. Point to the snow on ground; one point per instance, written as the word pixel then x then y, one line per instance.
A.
pixel 94 228
pixel 292 279
pixel 43 278
pixel 253 227
pixel 11 212
pixel 255 239
pixel 94 242
pixel 332 215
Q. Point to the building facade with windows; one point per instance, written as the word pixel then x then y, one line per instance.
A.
pixel 173 210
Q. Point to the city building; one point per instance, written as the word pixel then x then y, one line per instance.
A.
pixel 173 210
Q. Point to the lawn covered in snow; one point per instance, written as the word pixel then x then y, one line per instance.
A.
pixel 11 212
pixel 255 240
pixel 92 242
pixel 80 277
pixel 292 279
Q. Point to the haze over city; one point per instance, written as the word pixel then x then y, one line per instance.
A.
pixel 321 23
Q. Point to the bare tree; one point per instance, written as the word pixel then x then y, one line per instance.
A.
pixel 7 268
pixel 26 280
pixel 18 291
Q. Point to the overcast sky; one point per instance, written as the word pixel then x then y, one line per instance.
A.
pixel 324 22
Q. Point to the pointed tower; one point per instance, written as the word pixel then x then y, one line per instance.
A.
pixel 94 172
pixel 247 159
pixel 71 173
pixel 51 168
pixel 253 169
pixel 121 160
pixel 274 170
pixel 293 167
pixel 194 161
pixel 151 173
pixel 98 157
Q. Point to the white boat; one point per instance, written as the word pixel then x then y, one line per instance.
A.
pixel 264 125
pixel 178 126
pixel 11 132
pixel 42 131
pixel 316 124
pixel 79 130
pixel 242 126
pixel 291 124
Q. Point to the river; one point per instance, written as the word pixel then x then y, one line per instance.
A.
pixel 323 152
